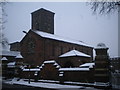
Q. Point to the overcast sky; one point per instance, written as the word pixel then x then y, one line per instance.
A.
pixel 72 20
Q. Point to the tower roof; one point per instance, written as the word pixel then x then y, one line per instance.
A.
pixel 42 9
pixel 101 46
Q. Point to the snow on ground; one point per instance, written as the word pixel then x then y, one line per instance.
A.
pixel 50 81
pixel 46 84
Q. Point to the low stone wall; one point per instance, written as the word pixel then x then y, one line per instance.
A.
pixel 50 70
pixel 30 73
pixel 84 76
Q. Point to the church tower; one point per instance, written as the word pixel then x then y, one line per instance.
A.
pixel 43 20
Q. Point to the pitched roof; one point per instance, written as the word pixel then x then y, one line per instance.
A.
pixel 42 9
pixel 56 37
pixel 11 64
pixel 19 56
pixel 89 65
pixel 9 53
pixel 74 53
pixel 4 59
pixel 50 62
pixel 14 42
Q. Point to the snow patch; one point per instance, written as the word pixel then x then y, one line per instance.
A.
pixel 88 65
pixel 35 69
pixel 74 69
pixel 49 62
pixel 44 85
pixel 11 64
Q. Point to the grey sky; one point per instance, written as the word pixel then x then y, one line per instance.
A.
pixel 72 20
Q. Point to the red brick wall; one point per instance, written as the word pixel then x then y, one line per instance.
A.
pixel 46 49
pixel 27 74
pixel 37 57
pixel 79 76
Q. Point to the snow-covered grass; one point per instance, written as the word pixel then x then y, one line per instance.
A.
pixel 46 84
pixel 50 81
pixel 40 84
pixel 78 83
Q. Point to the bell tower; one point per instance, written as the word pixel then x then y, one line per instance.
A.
pixel 43 20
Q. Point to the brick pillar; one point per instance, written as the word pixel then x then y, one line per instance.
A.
pixel 101 64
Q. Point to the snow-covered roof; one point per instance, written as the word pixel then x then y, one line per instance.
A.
pixel 42 66
pixel 74 69
pixel 14 42
pixel 10 53
pixel 74 53
pixel 101 46
pixel 33 69
pixel 4 59
pixel 11 64
pixel 19 56
pixel 50 62
pixel 89 65
pixel 56 37
pixel 18 41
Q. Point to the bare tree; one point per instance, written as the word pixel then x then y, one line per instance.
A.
pixel 104 6
pixel 3 39
pixel 107 7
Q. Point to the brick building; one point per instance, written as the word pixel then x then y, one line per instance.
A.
pixel 41 44
pixel 52 57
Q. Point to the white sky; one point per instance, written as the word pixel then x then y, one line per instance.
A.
pixel 72 19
